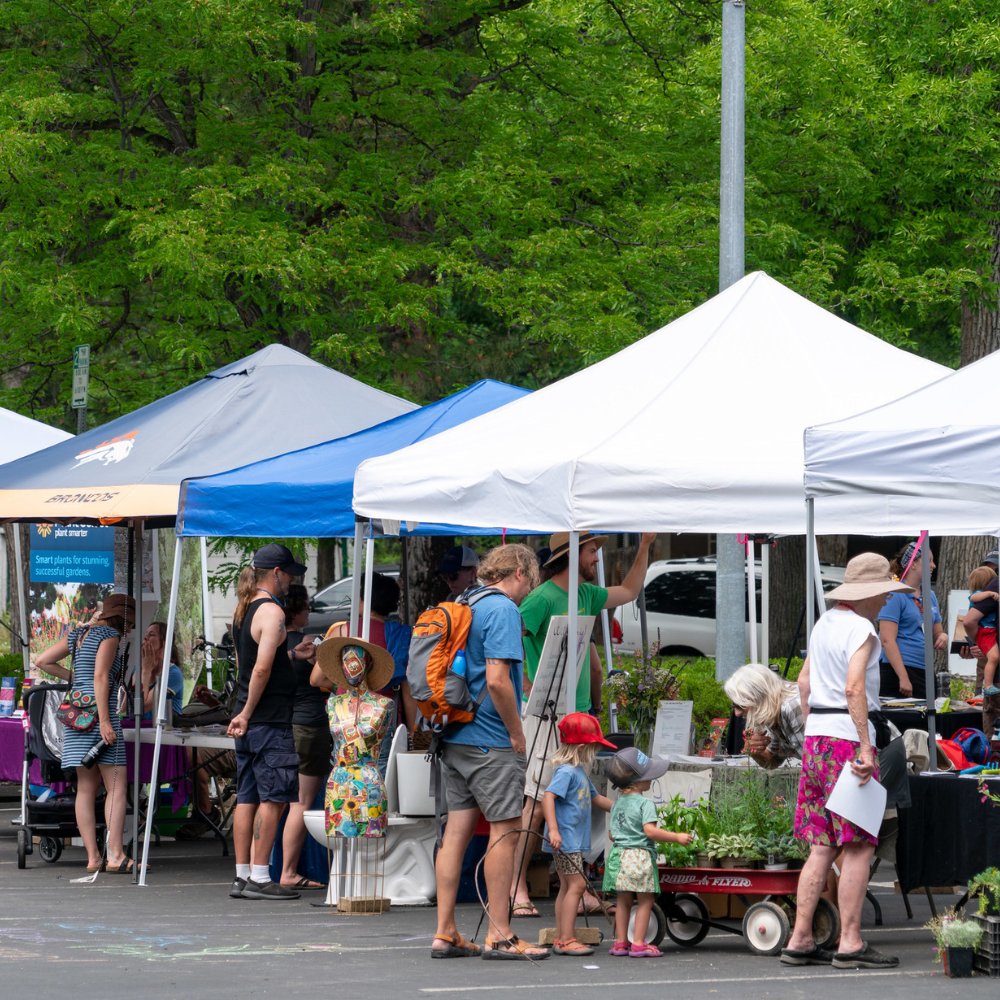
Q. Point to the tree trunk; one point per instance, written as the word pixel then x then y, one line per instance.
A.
pixel 980 336
pixel 787 566
pixel 326 561
pixel 15 606
pixel 424 585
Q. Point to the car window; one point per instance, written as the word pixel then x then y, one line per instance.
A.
pixel 691 594
pixel 336 594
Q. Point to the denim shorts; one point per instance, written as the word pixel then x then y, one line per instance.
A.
pixel 267 766
pixel 488 778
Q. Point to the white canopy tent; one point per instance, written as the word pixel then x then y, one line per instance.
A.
pixel 20 436
pixel 702 430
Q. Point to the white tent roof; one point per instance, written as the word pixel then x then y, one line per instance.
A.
pixel 20 436
pixel 697 427
pixel 928 460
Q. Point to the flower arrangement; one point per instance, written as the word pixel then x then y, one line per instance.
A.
pixel 638 689
pixel 951 933
pixel 986 885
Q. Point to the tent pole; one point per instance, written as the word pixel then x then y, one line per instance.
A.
pixel 206 610
pixel 606 632
pixel 765 601
pixel 572 646
pixel 161 704
pixel 929 678
pixel 359 525
pixel 366 623
pixel 22 608
pixel 135 588
pixel 751 596
pixel 810 583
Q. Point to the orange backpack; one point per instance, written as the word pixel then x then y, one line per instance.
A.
pixel 442 696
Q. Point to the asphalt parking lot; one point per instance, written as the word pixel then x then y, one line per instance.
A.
pixel 183 935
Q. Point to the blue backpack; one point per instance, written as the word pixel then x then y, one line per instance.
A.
pixel 974 744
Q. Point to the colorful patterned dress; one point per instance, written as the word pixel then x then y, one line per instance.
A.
pixel 355 793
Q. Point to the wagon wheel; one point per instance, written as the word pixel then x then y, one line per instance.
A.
pixel 687 920
pixel 50 849
pixel 766 928
pixel 656 928
pixel 826 924
pixel 23 848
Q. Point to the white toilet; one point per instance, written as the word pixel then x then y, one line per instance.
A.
pixel 409 844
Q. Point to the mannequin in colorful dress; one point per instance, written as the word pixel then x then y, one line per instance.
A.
pixel 362 723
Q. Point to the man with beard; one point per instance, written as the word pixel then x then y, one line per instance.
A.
pixel 537 609
pixel 266 762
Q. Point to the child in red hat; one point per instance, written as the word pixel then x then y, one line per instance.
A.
pixel 566 806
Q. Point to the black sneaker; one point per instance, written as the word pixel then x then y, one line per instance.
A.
pixel 239 884
pixel 267 890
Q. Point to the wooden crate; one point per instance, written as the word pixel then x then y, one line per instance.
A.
pixel 363 905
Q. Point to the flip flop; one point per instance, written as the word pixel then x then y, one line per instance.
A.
pixel 95 868
pixel 303 883
pixel 586 909
pixel 524 910
pixel 125 867
pixel 572 947
pixel 458 947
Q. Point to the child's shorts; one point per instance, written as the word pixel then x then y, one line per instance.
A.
pixel 570 863
pixel 986 639
pixel 630 869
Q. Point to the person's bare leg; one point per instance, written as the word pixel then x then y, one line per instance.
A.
pixel 498 868
pixel 812 882
pixel 116 802
pixel 265 829
pixel 854 872
pixel 294 835
pixel 448 870
pixel 243 817
pixel 87 780
pixel 623 910
pixel 531 819
pixel 570 893
pixel 643 908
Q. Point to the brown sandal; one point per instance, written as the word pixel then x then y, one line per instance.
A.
pixel 512 949
pixel 458 947
pixel 572 947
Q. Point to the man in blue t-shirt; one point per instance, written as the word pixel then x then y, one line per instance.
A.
pixel 483 763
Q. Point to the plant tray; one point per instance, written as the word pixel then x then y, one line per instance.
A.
pixel 990 943
pixel 987 964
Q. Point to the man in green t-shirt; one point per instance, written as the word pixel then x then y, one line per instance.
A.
pixel 537 609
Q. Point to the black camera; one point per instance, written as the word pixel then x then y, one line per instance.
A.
pixel 90 757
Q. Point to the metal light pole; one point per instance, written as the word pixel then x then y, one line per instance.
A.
pixel 730 593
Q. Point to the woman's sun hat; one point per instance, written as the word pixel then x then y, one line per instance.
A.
pixel 380 670
pixel 866 575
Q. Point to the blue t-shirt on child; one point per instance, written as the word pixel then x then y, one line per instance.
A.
pixel 495 633
pixel 573 790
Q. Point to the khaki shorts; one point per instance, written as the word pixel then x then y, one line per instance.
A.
pixel 541 740
pixel 314 745
pixel 490 779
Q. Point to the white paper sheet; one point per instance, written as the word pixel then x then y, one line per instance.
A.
pixel 863 805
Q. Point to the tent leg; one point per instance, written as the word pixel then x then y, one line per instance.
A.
pixel 929 678
pixel 22 607
pixel 135 589
pixel 606 632
pixel 206 610
pixel 810 550
pixel 161 706
pixel 751 597
pixel 765 602
pixel 359 526
pixel 366 623
pixel 572 645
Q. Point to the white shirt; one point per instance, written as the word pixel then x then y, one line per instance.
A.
pixel 835 638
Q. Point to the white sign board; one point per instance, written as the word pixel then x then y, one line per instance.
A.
pixel 550 678
pixel 81 375
pixel 672 732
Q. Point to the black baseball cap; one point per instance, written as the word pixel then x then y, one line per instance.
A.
pixel 458 558
pixel 276 556
pixel 631 765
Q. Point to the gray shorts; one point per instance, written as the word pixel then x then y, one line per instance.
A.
pixel 541 742
pixel 491 780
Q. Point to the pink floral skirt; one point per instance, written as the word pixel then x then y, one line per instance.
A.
pixel 823 758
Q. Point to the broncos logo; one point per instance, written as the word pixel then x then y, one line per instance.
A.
pixel 115 450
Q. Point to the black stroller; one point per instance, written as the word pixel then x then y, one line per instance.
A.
pixel 52 818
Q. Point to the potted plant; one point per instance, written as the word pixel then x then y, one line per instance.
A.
pixel 681 817
pixel 637 688
pixel 733 850
pixel 957 941
pixel 986 885
pixel 774 849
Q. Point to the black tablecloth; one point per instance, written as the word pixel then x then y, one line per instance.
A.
pixel 944 724
pixel 947 835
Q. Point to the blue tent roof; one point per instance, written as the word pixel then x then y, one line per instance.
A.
pixel 309 493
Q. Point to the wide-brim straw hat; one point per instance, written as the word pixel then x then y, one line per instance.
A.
pixel 559 544
pixel 380 670
pixel 118 605
pixel 866 575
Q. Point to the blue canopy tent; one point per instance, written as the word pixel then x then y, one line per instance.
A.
pixel 309 493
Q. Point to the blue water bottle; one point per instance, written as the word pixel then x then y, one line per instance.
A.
pixel 458 665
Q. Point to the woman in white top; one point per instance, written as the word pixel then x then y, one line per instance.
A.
pixel 839 685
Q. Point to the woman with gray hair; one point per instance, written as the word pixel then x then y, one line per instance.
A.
pixel 773 711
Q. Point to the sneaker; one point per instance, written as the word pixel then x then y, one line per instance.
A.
pixel 239 884
pixel 867 958
pixel 267 890
pixel 619 949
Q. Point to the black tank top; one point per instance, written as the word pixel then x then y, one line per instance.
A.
pixel 276 703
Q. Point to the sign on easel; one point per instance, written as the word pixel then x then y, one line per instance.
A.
pixel 672 732
pixel 549 683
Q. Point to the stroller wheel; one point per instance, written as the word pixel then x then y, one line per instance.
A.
pixel 50 849
pixel 23 847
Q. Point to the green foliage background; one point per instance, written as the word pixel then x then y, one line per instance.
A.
pixel 421 194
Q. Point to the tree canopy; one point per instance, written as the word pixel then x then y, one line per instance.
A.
pixel 422 194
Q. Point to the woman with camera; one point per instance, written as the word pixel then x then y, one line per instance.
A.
pixel 97 662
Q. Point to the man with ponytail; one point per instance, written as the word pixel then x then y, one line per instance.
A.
pixel 266 761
